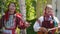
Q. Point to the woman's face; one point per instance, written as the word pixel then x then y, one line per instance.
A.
pixel 49 11
pixel 12 8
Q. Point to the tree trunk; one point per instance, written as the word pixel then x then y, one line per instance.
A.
pixel 23 12
pixel 40 6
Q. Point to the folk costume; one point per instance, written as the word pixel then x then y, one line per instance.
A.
pixel 10 22
pixel 45 21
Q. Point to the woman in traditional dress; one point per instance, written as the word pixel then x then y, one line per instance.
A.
pixel 11 19
pixel 47 21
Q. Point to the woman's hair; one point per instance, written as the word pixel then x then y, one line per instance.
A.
pixel 11 3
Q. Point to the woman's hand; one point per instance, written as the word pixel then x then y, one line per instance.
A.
pixel 43 29
pixel 27 24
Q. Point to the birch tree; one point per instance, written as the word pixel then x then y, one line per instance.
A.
pixel 23 12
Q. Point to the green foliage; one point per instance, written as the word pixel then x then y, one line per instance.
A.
pixel 31 9
pixel 1 6
pixel 4 5
pixel 1 3
pixel 42 5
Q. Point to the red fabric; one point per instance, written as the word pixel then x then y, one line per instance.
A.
pixel 21 23
pixel 19 15
pixel 13 31
pixel 47 24
pixel 53 31
pixel 7 15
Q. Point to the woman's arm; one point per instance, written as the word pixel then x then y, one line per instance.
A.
pixel 21 24
pixel 36 26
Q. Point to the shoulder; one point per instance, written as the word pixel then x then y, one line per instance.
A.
pixel 3 16
pixel 19 15
pixel 41 18
pixel 55 18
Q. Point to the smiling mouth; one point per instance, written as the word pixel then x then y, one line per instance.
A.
pixel 12 9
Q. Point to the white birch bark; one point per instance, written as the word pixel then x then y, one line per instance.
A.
pixel 23 12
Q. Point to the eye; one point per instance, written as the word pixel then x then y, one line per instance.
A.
pixel 13 5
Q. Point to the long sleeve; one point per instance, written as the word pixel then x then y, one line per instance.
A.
pixel 36 26
pixel 20 22
pixel 56 19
